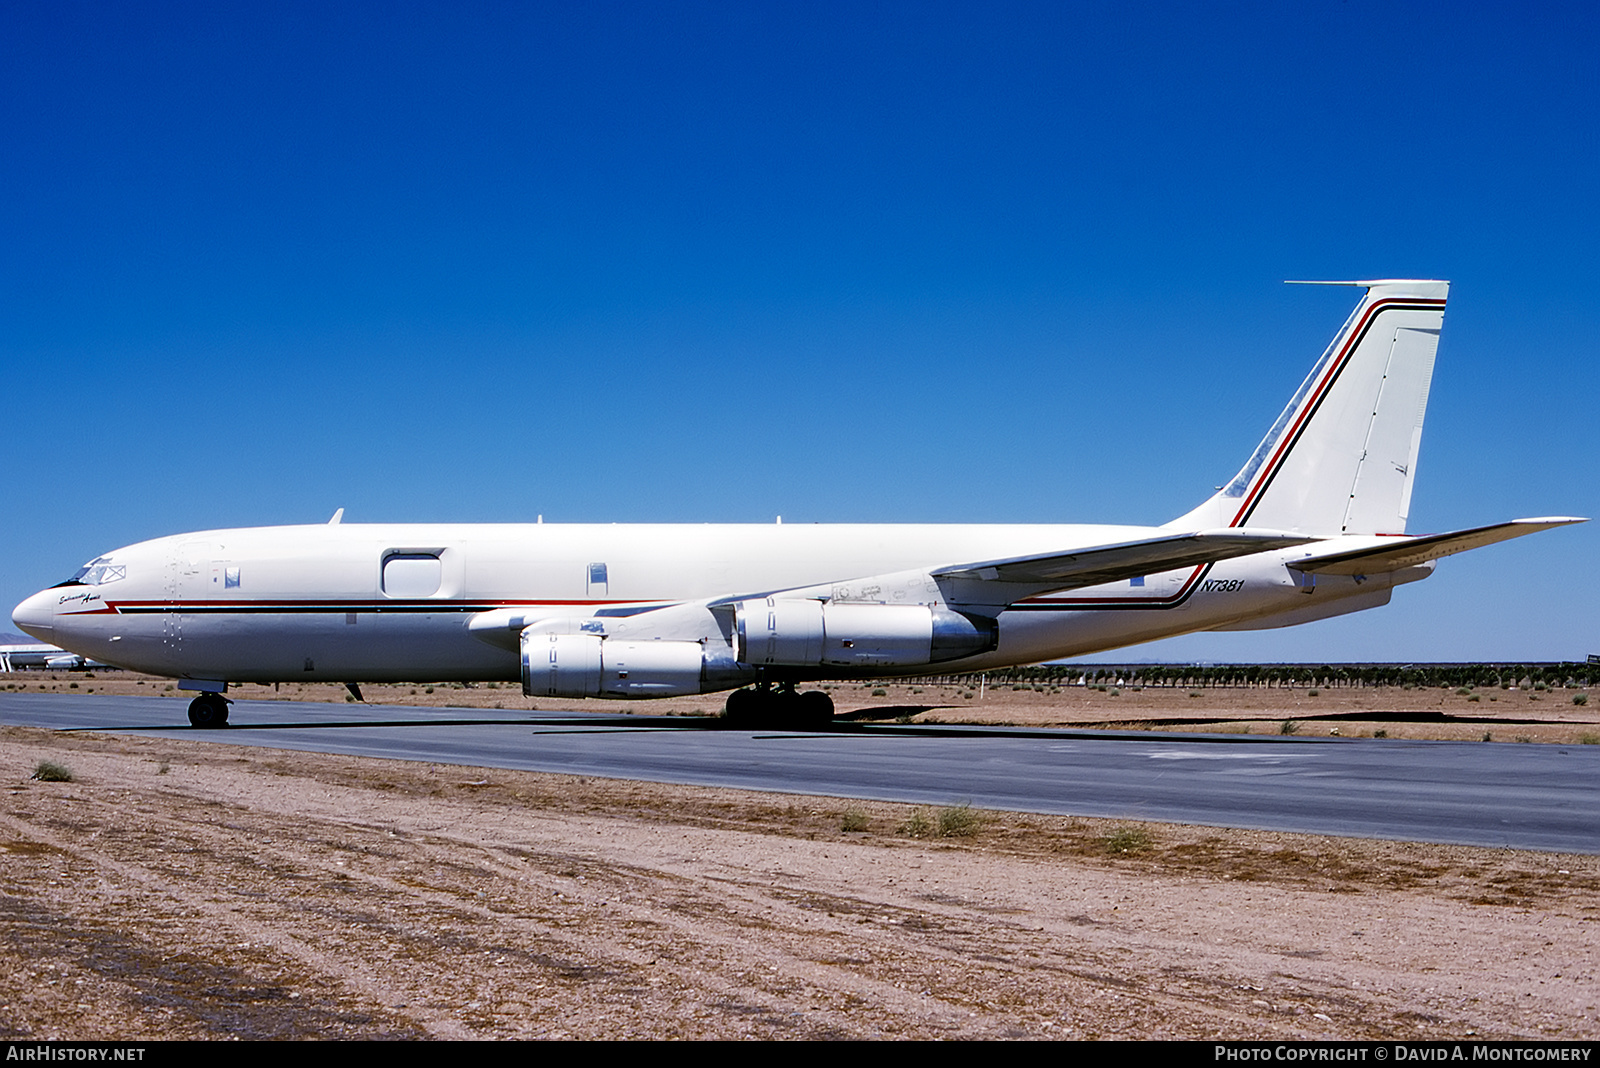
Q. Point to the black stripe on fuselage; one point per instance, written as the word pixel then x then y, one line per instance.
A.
pixel 1118 605
pixel 368 608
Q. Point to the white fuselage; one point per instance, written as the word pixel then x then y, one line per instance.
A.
pixel 357 603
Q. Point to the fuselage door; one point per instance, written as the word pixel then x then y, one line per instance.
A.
pixel 187 571
pixel 412 574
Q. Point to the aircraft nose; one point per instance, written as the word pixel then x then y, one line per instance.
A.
pixel 37 616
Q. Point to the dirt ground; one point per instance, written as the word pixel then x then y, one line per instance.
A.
pixel 184 889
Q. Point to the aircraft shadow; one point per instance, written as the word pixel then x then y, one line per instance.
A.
pixel 1364 717
pixel 868 724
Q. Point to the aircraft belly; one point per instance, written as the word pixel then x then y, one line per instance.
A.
pixel 1041 630
pixel 343 647
pixel 1030 637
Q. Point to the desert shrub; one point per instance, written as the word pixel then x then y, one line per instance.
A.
pixel 916 825
pixel 1127 840
pixel 959 821
pixel 50 771
pixel 855 818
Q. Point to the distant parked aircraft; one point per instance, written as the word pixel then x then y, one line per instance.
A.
pixel 51 657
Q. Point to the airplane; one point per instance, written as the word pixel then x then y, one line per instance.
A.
pixel 1312 527
pixel 19 657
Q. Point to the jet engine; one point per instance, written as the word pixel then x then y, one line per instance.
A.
pixel 587 665
pixel 795 632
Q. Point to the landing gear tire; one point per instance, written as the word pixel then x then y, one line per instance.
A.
pixel 813 711
pixel 782 708
pixel 744 708
pixel 209 710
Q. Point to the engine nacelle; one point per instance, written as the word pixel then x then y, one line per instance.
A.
pixel 796 632
pixel 585 665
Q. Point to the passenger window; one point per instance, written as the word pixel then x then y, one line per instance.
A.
pixel 597 580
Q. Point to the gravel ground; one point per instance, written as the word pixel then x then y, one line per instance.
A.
pixel 181 889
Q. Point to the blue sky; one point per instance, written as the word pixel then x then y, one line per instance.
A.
pixel 843 263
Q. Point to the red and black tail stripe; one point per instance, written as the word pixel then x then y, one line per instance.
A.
pixel 1308 409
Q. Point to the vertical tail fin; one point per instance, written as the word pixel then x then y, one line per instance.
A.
pixel 1342 457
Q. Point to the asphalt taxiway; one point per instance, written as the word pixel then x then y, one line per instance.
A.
pixel 1488 794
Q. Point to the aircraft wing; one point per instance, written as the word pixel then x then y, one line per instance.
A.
pixel 1098 564
pixel 989 582
pixel 1409 552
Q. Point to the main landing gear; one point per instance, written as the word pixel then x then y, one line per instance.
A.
pixel 779 706
pixel 209 710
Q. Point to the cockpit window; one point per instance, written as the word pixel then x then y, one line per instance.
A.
pixel 97 572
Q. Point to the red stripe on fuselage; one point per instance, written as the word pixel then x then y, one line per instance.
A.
pixel 1121 602
pixel 123 607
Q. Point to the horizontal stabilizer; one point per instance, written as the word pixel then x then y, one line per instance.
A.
pixel 1409 552
pixel 1113 563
